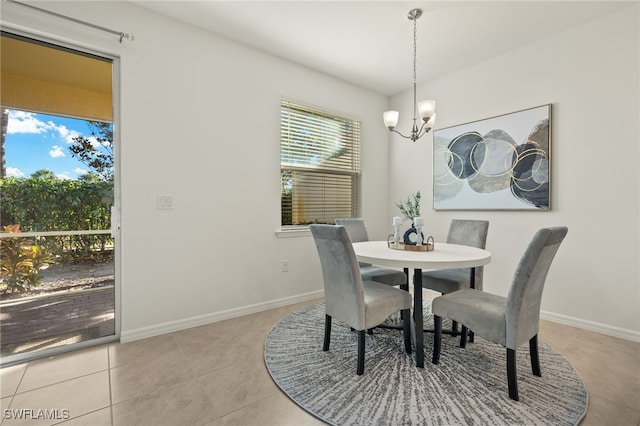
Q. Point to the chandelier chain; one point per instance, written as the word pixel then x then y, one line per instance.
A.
pixel 415 43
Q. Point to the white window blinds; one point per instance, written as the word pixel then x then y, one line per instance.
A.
pixel 319 165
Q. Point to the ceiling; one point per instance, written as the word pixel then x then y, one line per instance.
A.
pixel 370 43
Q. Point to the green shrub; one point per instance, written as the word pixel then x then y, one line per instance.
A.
pixel 20 261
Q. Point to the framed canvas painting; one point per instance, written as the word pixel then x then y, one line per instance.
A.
pixel 499 163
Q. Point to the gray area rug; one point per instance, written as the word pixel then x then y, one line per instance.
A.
pixel 468 387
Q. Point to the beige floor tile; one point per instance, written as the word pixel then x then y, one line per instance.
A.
pixel 604 412
pixel 10 379
pixel 610 367
pixel 5 402
pixel 184 403
pixel 96 418
pixel 55 369
pixel 79 396
pixel 232 388
pixel 276 410
pixel 558 336
pixel 139 379
pixel 141 351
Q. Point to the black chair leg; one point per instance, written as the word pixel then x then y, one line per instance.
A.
pixel 535 360
pixel 370 331
pixel 512 378
pixel 463 337
pixel 406 325
pixel 360 368
pixel 327 332
pixel 437 338
pixel 454 327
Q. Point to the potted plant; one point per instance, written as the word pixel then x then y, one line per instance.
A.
pixel 410 209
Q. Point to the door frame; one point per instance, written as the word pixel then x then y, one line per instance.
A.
pixel 116 208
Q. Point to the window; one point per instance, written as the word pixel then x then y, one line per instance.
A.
pixel 319 165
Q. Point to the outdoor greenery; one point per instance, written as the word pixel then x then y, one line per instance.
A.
pixel 96 152
pixel 20 261
pixel 45 203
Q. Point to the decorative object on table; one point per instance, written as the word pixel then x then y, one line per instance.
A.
pixel 418 223
pixel 467 387
pixel 397 223
pixel 499 163
pixel 410 209
pixel 426 109
pixel 429 245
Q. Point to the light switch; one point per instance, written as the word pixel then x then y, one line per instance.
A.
pixel 165 202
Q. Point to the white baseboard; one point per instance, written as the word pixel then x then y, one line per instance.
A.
pixel 168 327
pixel 622 333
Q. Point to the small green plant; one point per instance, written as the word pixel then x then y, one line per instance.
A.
pixel 20 262
pixel 411 207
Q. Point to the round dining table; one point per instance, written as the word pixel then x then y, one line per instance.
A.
pixel 443 256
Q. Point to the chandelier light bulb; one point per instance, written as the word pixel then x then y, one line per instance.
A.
pixel 426 109
pixel 390 119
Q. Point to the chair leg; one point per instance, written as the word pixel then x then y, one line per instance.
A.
pixel 360 367
pixel 327 332
pixel 370 331
pixel 437 338
pixel 512 378
pixel 463 337
pixel 454 327
pixel 406 325
pixel 533 351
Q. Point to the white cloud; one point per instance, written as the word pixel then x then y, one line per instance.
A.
pixel 80 171
pixel 63 175
pixel 14 172
pixel 56 152
pixel 25 122
pixel 64 133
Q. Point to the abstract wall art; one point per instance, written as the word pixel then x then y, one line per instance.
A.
pixel 499 163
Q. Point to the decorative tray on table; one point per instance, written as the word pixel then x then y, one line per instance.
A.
pixel 427 246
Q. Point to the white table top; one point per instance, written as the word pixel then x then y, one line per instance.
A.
pixel 444 256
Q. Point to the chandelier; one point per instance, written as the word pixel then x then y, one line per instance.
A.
pixel 425 109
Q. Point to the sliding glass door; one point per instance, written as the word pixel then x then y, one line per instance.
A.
pixel 58 199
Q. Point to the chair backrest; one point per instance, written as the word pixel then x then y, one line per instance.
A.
pixel 343 288
pixel 468 232
pixel 355 228
pixel 525 294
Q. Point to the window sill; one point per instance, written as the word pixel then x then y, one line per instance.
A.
pixel 302 231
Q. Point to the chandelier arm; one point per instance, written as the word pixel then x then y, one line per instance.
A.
pixel 406 137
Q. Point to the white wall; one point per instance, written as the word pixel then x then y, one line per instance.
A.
pixel 590 75
pixel 200 121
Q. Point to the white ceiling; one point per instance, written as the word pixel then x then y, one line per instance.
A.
pixel 370 43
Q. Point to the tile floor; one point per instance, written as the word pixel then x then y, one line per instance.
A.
pixel 215 375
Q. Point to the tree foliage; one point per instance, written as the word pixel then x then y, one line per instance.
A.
pixel 96 152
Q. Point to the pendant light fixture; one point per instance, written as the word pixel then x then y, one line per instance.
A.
pixel 426 110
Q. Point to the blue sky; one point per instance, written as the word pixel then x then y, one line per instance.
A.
pixel 39 141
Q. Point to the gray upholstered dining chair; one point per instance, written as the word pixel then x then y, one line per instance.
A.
pixel 357 233
pixel 464 232
pixel 509 321
pixel 360 304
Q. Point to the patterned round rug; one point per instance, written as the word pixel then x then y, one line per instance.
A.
pixel 469 386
